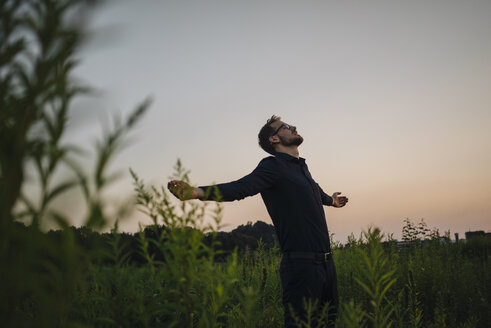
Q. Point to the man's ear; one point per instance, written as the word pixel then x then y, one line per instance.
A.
pixel 274 140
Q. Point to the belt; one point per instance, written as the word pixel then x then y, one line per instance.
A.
pixel 308 255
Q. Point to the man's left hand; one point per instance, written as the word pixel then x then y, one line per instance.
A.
pixel 338 201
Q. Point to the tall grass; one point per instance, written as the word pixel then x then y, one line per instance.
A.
pixel 380 285
pixel 40 276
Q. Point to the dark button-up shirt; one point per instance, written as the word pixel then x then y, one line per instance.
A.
pixel 292 197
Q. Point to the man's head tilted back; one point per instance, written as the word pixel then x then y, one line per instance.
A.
pixel 276 132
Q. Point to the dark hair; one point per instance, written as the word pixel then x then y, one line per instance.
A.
pixel 266 132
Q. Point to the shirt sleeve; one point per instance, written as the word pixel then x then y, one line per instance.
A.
pixel 263 177
pixel 326 199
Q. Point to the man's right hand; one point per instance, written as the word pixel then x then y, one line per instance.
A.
pixel 183 190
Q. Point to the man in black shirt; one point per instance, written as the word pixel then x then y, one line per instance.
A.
pixel 295 204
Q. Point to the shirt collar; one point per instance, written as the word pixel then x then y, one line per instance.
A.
pixel 288 157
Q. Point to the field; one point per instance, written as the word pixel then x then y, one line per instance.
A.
pixel 75 280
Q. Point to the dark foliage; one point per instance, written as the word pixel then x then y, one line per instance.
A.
pixel 245 237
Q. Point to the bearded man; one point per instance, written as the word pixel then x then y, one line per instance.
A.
pixel 295 204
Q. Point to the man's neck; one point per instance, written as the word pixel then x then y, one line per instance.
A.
pixel 290 150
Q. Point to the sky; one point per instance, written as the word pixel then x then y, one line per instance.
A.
pixel 393 99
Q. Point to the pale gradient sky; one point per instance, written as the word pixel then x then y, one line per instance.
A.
pixel 393 99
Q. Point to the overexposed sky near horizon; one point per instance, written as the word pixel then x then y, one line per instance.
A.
pixel 393 99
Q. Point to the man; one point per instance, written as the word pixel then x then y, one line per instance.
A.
pixel 295 203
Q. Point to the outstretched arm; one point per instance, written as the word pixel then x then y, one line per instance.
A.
pixel 262 178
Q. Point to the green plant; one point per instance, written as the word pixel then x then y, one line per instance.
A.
pixel 193 295
pixel 376 277
pixel 41 272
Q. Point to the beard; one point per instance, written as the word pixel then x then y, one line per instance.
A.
pixel 296 140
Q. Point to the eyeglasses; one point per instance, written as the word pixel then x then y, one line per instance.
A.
pixel 288 126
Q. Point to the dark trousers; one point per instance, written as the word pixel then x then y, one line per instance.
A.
pixel 305 280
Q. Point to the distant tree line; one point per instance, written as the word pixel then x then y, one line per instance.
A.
pixel 244 238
